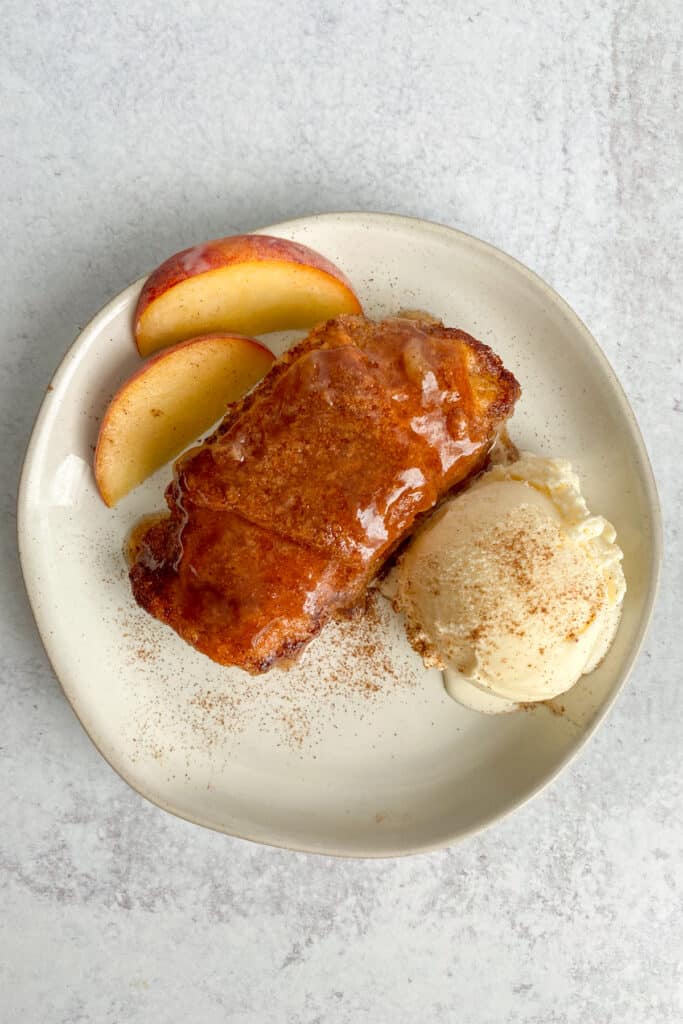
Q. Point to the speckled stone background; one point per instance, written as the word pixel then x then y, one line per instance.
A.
pixel 552 130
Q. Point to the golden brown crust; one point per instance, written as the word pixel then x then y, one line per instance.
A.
pixel 281 518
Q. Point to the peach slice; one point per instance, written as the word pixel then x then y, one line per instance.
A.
pixel 251 284
pixel 169 403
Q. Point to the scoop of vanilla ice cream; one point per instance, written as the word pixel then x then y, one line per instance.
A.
pixel 513 588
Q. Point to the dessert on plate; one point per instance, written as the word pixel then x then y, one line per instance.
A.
pixel 513 589
pixel 367 443
pixel 282 518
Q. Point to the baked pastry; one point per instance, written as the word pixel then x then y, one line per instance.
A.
pixel 282 518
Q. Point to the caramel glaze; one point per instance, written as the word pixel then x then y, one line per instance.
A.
pixel 281 519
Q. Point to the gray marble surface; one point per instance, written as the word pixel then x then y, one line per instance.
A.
pixel 552 130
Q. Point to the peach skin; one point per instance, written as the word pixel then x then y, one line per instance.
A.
pixel 250 284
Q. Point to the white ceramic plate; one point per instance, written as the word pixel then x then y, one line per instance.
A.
pixel 358 751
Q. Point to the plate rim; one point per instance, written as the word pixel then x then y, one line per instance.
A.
pixel 645 471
